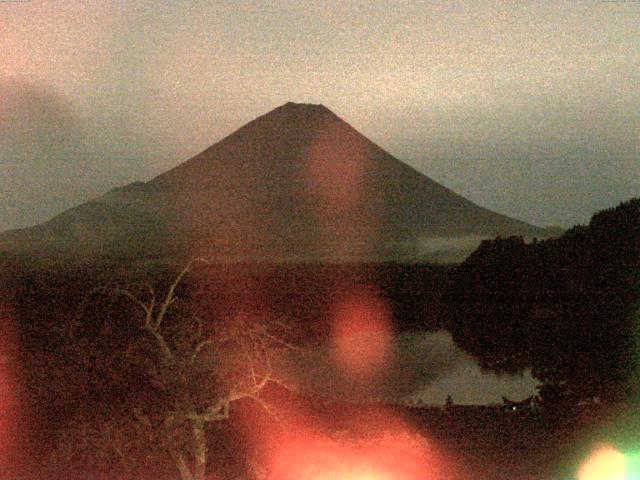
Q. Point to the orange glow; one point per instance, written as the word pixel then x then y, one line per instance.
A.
pixel 361 335
pixel 383 455
pixel 336 168
pixel 605 464
pixel 9 406
pixel 368 443
pixel 356 475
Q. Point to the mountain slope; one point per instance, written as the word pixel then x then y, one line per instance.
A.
pixel 297 183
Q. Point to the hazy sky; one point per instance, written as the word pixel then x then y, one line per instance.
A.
pixel 528 108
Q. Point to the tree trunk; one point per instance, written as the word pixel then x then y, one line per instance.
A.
pixel 200 449
pixel 185 473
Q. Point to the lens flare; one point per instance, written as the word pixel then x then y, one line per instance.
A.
pixel 355 475
pixel 606 463
pixel 632 466
pixel 311 454
pixel 9 406
pixel 361 335
pixel 337 171
pixel 311 443
pixel 336 167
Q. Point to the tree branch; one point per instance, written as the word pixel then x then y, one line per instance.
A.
pixel 147 308
pixel 162 344
pixel 198 348
pixel 170 297
pixel 265 406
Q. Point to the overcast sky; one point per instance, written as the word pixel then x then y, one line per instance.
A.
pixel 528 108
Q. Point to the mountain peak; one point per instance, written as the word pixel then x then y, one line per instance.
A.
pixel 306 106
pixel 305 109
pixel 301 110
pixel 297 182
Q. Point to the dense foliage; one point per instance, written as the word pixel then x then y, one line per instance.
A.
pixel 563 306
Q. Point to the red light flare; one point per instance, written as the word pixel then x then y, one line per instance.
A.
pixel 336 170
pixel 336 166
pixel 379 447
pixel 10 415
pixel 312 441
pixel 361 334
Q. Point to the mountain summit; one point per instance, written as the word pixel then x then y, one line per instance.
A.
pixel 295 184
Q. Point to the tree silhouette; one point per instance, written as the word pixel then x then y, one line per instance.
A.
pixel 190 372
pixel 562 307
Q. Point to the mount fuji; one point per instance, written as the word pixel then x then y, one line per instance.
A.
pixel 295 184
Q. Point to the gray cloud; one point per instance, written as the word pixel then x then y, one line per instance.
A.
pixel 530 109
pixel 51 157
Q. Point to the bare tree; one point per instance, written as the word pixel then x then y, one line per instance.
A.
pixel 198 368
